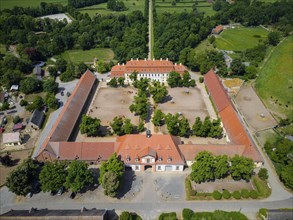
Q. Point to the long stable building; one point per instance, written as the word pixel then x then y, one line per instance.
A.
pixel 155 70
pixel 139 151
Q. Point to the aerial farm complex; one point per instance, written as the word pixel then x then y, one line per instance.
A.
pixel 159 152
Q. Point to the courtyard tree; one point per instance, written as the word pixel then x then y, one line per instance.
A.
pixel 141 84
pixel 53 176
pixel 133 76
pixel 203 167
pixel 113 82
pixel 184 127
pixel 89 125
pixel 174 79
pixel 121 81
pixel 140 105
pixel 241 168
pixel 79 176
pixel 20 180
pixel 140 126
pixel 187 81
pixel 127 126
pixel 158 91
pixel 172 122
pixel 158 117
pixel 221 166
pixel 117 125
pixel 51 101
pixel 110 183
pixel 50 85
pixel 113 164
pixel 197 127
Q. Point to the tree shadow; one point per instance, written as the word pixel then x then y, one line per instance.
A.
pixel 111 214
pixel 126 183
pixel 103 131
pixel 25 139
pixel 95 185
pixel 166 99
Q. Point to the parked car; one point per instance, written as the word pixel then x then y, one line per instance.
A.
pixel 72 195
pixel 62 93
pixel 60 191
pixel 29 195
pixel 68 94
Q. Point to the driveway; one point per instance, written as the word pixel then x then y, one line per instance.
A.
pixel 65 87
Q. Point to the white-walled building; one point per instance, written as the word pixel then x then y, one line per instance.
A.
pixel 11 139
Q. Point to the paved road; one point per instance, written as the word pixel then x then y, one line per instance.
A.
pixel 65 87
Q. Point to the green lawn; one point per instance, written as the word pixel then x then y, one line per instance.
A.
pixel 203 46
pixel 27 3
pixel 78 56
pixel 132 5
pixel 183 6
pixel 275 82
pixel 241 38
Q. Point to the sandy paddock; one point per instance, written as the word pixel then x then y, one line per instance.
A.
pixel 188 101
pixel 111 102
pixel 254 111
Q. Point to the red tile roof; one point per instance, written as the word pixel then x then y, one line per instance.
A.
pixel 71 111
pixel 217 29
pixel 160 146
pixel 190 151
pixel 147 66
pixel 216 90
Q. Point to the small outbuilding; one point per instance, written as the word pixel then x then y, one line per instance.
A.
pixel 11 139
pixel 36 120
pixel 17 127
pixel 217 30
pixel 14 88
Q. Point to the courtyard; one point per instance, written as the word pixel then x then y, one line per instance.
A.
pixel 187 101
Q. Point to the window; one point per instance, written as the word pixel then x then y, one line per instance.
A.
pixel 136 167
pixel 177 167
pixel 159 168
pixel 148 160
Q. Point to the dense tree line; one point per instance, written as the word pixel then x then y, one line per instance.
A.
pixel 208 167
pixel 84 3
pixel 281 153
pixel 176 80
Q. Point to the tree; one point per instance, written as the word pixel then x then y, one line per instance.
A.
pixel 221 166
pixel 184 127
pixel 53 71
pixel 121 81
pixel 114 165
pixel 197 127
pixel 6 160
pixel 203 167
pixel 103 67
pixel 263 174
pixel 141 84
pixel 215 130
pixel 125 216
pixel 86 41
pixel 30 85
pixel 172 122
pixel 23 102
pixel 51 101
pixel 140 127
pixel 127 126
pixel 80 69
pixel 286 175
pixel 133 76
pixel 117 125
pixel 187 214
pixel 53 176
pixel 174 79
pixel 20 180
pixel 241 167
pixel 16 119
pixel 37 104
pixel 110 183
pixel 217 195
pixel 50 86
pixel 187 81
pixel 79 176
pixel 61 65
pixel 237 67
pixel 140 105
pixel 89 125
pixel 113 82
pixel 158 91
pixel 158 117
pixel 274 38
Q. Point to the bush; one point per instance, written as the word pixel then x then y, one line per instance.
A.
pixel 125 216
pixel 168 216
pixel 217 195
pixel 16 119
pixel 189 190
pixel 201 79
pixel 187 214
pixel 245 193
pixel 236 195
pixel 263 174
pixel 263 212
pixel 23 103
pixel 253 194
pixel 226 194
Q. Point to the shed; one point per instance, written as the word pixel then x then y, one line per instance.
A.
pixel 11 139
pixel 17 127
pixel 36 120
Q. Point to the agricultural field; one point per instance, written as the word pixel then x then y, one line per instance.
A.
pixel 240 38
pixel 275 83
pixel 4 4
pixel 101 9
pixel 87 56
pixel 183 6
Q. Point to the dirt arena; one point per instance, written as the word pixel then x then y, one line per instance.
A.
pixel 254 111
pixel 111 102
pixel 188 101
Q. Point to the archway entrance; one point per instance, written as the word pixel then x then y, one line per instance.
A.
pixel 148 168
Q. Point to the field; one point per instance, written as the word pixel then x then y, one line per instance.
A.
pixel 27 3
pixel 242 38
pixel 132 5
pixel 78 56
pixel 191 104
pixel 183 6
pixel 203 46
pixel 275 82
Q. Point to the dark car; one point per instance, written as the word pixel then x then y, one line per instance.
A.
pixel 62 93
pixel 60 191
pixel 72 195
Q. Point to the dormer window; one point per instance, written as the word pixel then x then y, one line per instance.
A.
pixel 128 158
pixel 136 159
pixel 169 159
pixel 160 159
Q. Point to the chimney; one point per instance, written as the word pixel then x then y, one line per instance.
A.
pixel 148 133
pixel 32 209
pixel 137 59
pixel 122 64
pixel 144 59
pixel 175 64
pixel 153 59
pixel 131 59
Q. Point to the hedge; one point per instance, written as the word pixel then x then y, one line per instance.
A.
pixel 217 195
pixel 226 194
pixel 168 216
pixel 187 214
pixel 245 193
pixel 236 194
pixel 253 194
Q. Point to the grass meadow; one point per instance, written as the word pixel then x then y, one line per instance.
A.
pixel 4 4
pixel 240 38
pixel 101 9
pixel 183 6
pixel 275 82
pixel 79 55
